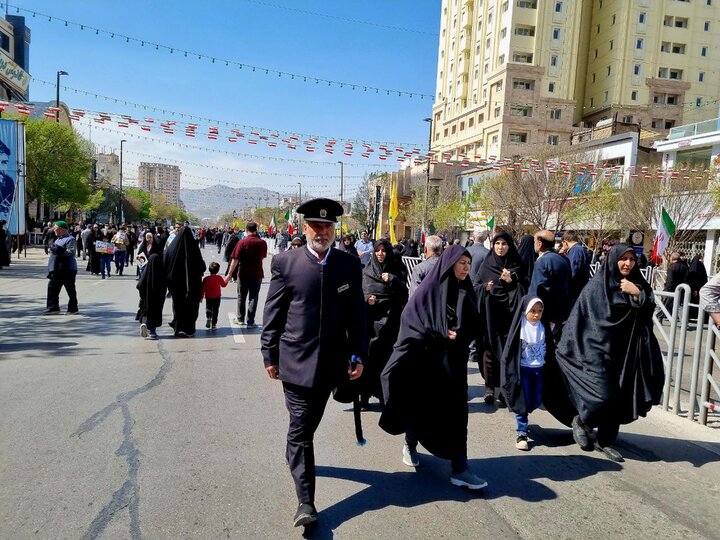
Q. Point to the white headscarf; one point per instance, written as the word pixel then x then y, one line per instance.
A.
pixel 532 332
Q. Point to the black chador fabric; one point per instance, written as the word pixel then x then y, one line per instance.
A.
pixel 555 393
pixel 608 352
pixel 383 318
pixel 526 250
pixel 425 381
pixel 697 274
pixel 93 265
pixel 498 304
pixel 350 248
pixel 4 252
pixel 150 248
pixel 152 286
pixel 185 267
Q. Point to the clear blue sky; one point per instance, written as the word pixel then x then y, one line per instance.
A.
pixel 276 34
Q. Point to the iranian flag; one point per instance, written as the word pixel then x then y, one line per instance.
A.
pixel 666 228
pixel 271 227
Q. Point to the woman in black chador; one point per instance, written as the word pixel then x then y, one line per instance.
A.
pixel 425 380
pixel 608 352
pixel 185 267
pixel 526 250
pixel 499 289
pixel 385 295
pixel 152 286
pixel 93 265
pixel 696 278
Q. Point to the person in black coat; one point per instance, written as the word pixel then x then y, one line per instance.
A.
pixel 677 274
pixel 152 286
pixel 526 250
pixel 313 337
pixel 386 293
pixel 550 281
pixel 609 354
pixel 4 251
pixel 499 290
pixel 425 381
pixel 696 278
pixel 185 267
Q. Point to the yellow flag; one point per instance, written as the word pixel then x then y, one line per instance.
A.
pixel 393 212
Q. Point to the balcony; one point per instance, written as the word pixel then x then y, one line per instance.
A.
pixel 690 130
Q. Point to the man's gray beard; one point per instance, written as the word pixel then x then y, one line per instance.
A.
pixel 321 246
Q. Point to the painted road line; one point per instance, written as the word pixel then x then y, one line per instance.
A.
pixel 237 332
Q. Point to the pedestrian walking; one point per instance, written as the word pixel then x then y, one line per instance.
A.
pixel 550 281
pixel 609 354
pixel 425 381
pixel 313 336
pixel 364 248
pixel 4 248
pixel 151 286
pixel 85 237
pixel 121 242
pixel 432 250
pixel 106 259
pixel 62 270
pixel 248 257
pixel 212 293
pixel 185 267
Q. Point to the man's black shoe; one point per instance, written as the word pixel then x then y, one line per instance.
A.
pixel 305 515
pixel 610 452
pixel 580 434
pixel 51 312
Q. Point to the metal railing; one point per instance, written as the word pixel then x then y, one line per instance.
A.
pixel 410 263
pixel 699 128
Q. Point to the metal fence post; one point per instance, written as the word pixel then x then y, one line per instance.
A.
pixel 684 295
pixel 710 357
pixel 701 323
pixel 670 352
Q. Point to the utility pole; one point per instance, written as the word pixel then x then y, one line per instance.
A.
pixel 57 92
pixel 342 178
pixel 427 177
pixel 120 213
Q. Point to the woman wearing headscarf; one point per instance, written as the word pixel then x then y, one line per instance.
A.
pixel 425 381
pixel 410 249
pixel 526 250
pixel 386 294
pixel 499 289
pixel 185 267
pixel 152 286
pixel 348 246
pixel 696 278
pixel 609 354
pixel 93 265
pixel 149 246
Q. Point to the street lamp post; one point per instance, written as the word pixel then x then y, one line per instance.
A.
pixel 120 213
pixel 299 201
pixel 427 176
pixel 342 182
pixel 57 95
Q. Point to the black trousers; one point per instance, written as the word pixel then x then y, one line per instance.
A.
pixel 212 308
pixel 58 280
pixel 306 407
pixel 248 291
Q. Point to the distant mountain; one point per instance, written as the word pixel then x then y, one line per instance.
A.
pixel 217 200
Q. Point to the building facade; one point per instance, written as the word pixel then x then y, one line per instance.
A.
pixel 107 168
pixel 14 59
pixel 161 178
pixel 517 74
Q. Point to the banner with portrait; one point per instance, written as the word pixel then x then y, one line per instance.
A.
pixel 12 177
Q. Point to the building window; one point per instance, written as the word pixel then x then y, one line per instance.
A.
pixel 555 114
pixel 524 30
pixel 606 95
pixel 523 84
pixel 501 59
pixel 481 118
pixel 471 122
pixel 642 17
pixel 707 26
pixel 527 4
pixel 523 58
pixel 703 51
pixel 608 71
pixel 505 6
pixel 554 60
pixel 498 86
pixel 597 29
pixel 613 20
pixel 676 74
pixel 611 44
pixel 497 112
pixel 627 119
pixel 671 99
pixel 639 43
pixel 556 33
pixel 596 53
pixel 636 69
pixel 669 124
pixel 517 137
pixel 633 95
pixel 503 33
pixel 701 76
pixel 551 87
pixel 593 78
pixel 558 7
pixel 592 102
pixel 521 110
pixel 698 102
pixel 453 129
pixel 553 140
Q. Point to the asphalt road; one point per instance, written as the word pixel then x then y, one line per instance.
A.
pixel 106 435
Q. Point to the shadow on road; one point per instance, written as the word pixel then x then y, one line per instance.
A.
pixel 508 476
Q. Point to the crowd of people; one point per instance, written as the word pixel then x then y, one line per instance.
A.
pixel 353 316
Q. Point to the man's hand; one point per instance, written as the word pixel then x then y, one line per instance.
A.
pixel 273 371
pixel 357 372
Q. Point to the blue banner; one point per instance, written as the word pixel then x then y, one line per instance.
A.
pixel 8 167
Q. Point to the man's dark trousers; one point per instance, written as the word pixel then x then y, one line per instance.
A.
pixel 248 287
pixel 58 280
pixel 306 407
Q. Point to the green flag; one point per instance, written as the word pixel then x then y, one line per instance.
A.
pixel 491 223
pixel 287 215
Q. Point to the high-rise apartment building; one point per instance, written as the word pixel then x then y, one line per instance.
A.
pixel 514 75
pixel 107 168
pixel 161 178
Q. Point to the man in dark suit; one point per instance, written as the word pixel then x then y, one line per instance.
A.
pixel 478 251
pixel 550 280
pixel 579 261
pixel 314 324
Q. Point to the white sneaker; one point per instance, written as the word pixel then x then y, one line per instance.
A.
pixel 468 480
pixel 143 330
pixel 410 457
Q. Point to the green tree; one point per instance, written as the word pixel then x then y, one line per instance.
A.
pixel 137 205
pixel 58 165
